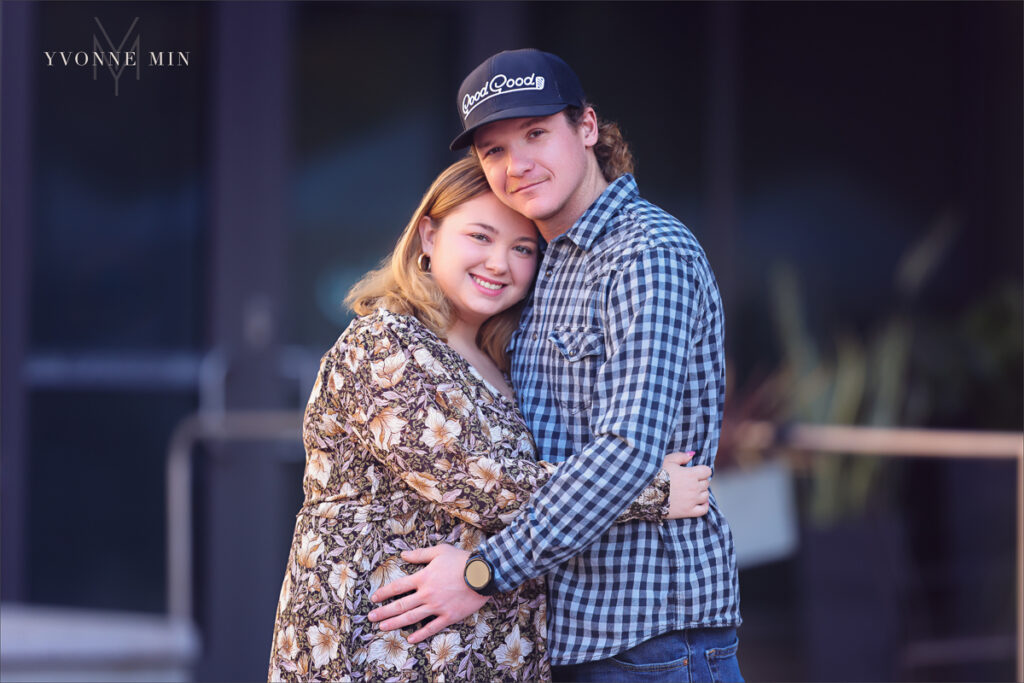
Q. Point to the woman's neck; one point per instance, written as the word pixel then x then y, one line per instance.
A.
pixel 462 336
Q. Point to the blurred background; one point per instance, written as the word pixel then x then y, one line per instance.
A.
pixel 177 239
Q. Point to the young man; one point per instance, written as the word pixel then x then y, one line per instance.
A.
pixel 618 358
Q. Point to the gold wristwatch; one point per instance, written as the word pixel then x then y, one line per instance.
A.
pixel 479 575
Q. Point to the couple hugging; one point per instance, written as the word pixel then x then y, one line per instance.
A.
pixel 508 451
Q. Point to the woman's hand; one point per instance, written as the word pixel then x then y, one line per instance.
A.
pixel 689 493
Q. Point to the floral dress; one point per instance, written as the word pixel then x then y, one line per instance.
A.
pixel 407 447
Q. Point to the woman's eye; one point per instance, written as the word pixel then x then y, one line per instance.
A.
pixel 491 151
pixel 526 251
pixel 479 236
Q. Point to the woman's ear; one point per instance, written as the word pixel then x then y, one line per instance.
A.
pixel 428 229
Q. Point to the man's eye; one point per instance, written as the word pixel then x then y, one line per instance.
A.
pixel 537 132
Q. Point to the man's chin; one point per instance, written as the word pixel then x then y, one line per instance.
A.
pixel 532 209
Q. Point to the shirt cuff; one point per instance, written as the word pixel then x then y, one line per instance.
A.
pixel 509 568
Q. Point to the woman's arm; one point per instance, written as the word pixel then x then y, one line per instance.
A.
pixel 393 402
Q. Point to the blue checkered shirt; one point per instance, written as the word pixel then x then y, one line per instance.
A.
pixel 618 360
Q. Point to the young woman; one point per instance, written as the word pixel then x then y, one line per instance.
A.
pixel 413 439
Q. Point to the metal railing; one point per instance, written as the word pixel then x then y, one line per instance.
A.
pixel 910 443
pixel 760 436
pixel 273 425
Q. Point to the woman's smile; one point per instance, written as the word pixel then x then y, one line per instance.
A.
pixel 488 287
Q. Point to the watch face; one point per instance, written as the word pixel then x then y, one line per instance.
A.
pixel 477 574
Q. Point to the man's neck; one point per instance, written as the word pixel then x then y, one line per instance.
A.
pixel 586 194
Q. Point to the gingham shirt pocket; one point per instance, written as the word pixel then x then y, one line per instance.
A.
pixel 577 354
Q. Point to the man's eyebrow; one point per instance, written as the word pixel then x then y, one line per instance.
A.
pixel 485 142
pixel 531 122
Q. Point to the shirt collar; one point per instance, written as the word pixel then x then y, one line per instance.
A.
pixel 595 219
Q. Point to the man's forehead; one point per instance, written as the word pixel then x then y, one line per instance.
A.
pixel 505 126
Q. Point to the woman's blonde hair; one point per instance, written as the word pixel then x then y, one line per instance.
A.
pixel 401 287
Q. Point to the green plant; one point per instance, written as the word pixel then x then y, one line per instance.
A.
pixel 862 379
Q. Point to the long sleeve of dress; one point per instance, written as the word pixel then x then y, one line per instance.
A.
pixel 413 404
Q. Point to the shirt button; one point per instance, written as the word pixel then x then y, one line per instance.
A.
pixel 534 336
pixel 548 272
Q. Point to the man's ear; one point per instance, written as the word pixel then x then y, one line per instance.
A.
pixel 588 127
pixel 428 229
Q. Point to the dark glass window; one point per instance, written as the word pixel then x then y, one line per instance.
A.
pixel 371 126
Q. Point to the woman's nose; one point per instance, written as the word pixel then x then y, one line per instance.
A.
pixel 497 261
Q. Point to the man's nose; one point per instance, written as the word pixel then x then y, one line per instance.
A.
pixel 519 162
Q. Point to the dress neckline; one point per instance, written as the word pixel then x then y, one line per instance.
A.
pixel 476 373
pixel 494 391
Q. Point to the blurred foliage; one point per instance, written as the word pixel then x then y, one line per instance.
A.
pixel 954 370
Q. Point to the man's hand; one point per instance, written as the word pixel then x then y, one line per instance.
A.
pixel 688 496
pixel 437 590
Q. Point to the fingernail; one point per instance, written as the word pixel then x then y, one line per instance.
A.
pixel 372 616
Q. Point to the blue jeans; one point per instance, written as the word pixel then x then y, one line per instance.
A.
pixel 699 654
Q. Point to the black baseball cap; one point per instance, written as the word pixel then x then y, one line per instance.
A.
pixel 514 84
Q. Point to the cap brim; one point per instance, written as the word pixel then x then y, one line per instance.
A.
pixel 466 138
